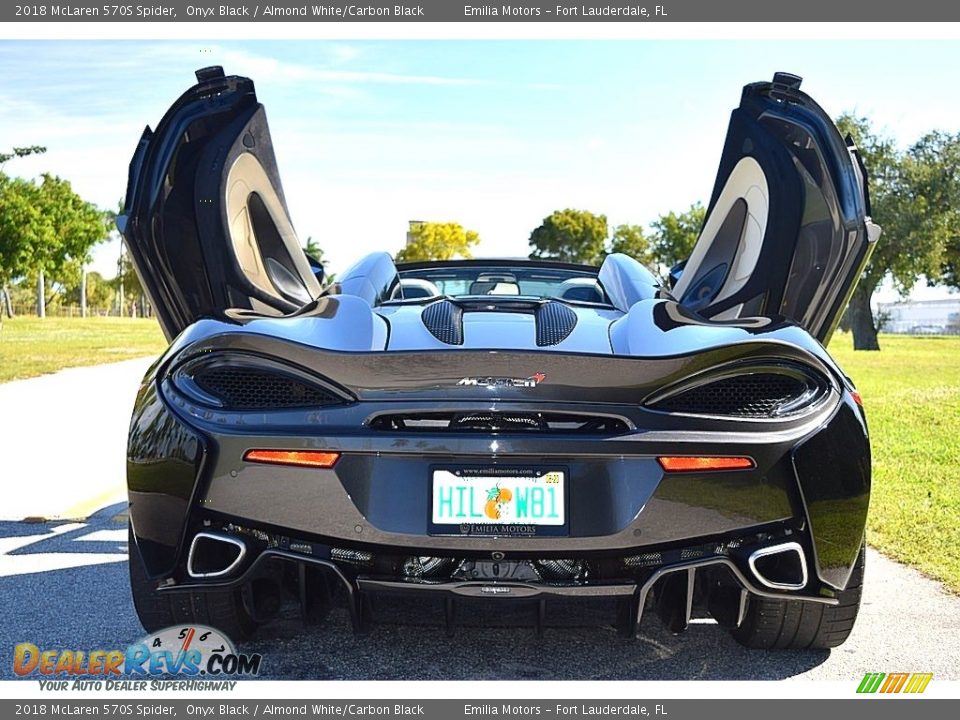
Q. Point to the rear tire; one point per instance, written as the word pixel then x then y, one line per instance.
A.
pixel 797 625
pixel 220 609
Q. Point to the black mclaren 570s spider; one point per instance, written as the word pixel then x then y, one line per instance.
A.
pixel 504 430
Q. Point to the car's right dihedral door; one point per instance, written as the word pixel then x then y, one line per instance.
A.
pixel 787 230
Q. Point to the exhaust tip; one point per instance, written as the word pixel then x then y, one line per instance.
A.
pixel 214 555
pixel 781 567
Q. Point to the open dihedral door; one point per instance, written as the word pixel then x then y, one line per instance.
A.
pixel 787 231
pixel 205 218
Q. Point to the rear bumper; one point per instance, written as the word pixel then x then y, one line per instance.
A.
pixel 615 502
pixel 717 583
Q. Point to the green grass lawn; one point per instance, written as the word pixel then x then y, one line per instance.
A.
pixel 32 346
pixel 911 392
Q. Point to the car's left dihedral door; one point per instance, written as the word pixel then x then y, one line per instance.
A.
pixel 205 217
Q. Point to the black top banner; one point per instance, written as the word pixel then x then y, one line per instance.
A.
pixel 251 11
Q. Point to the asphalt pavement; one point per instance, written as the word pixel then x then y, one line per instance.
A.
pixel 63 583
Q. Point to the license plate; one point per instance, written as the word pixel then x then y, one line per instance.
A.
pixel 484 500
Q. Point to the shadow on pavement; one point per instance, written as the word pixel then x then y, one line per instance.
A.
pixel 89 607
pixel 410 643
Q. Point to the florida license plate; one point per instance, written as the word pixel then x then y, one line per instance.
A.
pixel 498 501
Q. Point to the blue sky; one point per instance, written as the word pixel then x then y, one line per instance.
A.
pixel 492 134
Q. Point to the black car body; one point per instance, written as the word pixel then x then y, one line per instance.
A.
pixel 500 429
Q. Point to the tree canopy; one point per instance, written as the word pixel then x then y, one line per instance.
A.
pixel 950 272
pixel 633 241
pixel 313 249
pixel 100 292
pixel 437 241
pixel 22 152
pixel 45 227
pixel 580 236
pixel 576 236
pixel 675 234
pixel 915 198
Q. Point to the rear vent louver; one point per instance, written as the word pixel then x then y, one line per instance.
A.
pixel 444 320
pixel 750 395
pixel 487 422
pixel 555 322
pixel 242 388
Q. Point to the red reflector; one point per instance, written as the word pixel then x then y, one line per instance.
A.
pixel 856 397
pixel 683 463
pixel 298 458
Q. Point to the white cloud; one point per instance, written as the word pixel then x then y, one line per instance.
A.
pixel 268 69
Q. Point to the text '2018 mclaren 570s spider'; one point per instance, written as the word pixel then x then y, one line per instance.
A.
pixel 489 431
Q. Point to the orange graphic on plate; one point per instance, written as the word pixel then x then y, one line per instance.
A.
pixel 496 497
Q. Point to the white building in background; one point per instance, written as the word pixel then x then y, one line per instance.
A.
pixel 926 317
pixel 411 225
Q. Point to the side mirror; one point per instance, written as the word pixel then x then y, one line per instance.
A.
pixel 676 272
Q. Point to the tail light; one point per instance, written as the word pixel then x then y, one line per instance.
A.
pixel 686 463
pixel 295 458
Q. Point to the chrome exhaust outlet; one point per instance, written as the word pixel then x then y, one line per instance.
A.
pixel 781 567
pixel 214 555
pixel 748 586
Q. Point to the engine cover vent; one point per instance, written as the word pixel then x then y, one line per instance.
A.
pixel 555 322
pixel 444 320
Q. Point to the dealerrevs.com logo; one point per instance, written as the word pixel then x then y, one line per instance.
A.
pixel 201 654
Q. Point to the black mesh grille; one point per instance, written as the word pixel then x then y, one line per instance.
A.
pixel 253 389
pixel 750 395
pixel 444 320
pixel 497 421
pixel 486 422
pixel 555 321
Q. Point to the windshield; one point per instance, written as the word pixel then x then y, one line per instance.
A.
pixel 527 282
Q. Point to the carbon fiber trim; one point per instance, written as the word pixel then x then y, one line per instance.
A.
pixel 555 322
pixel 444 320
